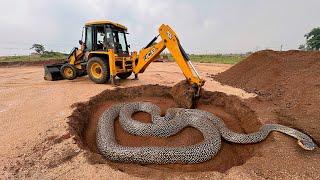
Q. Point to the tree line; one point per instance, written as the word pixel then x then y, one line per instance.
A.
pixel 312 40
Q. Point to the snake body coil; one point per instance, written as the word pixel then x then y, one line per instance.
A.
pixel 174 121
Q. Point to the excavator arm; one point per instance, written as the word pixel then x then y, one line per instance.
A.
pixel 169 40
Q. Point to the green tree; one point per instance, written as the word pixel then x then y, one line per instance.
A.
pixel 302 47
pixel 39 48
pixel 313 39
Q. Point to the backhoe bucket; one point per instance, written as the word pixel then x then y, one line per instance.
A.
pixel 52 72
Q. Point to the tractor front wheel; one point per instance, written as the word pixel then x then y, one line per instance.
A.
pixel 68 71
pixel 98 70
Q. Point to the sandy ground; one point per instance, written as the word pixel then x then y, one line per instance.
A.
pixel 33 116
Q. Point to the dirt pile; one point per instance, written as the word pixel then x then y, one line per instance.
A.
pixel 36 145
pixel 235 114
pixel 287 83
pixel 184 95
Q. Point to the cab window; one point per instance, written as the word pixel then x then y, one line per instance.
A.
pixel 100 36
pixel 88 38
pixel 120 42
pixel 109 40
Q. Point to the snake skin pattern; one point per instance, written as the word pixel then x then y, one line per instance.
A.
pixel 174 121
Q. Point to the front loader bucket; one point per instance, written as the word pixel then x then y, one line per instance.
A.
pixel 52 72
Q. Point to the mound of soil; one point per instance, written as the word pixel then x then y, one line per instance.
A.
pixel 232 110
pixel 287 83
pixel 184 94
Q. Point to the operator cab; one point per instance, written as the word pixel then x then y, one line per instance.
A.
pixel 105 35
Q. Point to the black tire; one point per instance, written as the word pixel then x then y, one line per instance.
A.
pixel 68 71
pixel 103 70
pixel 124 75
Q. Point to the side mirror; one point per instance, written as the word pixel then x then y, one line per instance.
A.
pixel 128 46
pixel 80 42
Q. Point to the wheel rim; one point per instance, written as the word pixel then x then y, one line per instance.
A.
pixel 68 72
pixel 96 70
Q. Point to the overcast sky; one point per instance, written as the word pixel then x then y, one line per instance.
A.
pixel 207 26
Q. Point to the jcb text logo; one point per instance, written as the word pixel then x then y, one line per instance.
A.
pixel 149 54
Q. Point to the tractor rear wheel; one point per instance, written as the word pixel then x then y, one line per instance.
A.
pixel 98 70
pixel 124 75
pixel 68 71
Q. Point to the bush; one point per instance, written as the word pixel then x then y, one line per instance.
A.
pixel 52 54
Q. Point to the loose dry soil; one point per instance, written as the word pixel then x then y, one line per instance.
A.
pixel 47 129
pixel 236 115
pixel 287 85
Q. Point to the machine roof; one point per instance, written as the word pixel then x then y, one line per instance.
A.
pixel 106 22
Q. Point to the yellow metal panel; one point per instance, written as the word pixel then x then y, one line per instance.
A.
pixel 106 22
pixel 134 58
pixel 92 53
pixel 171 42
pixel 147 55
pixel 112 62
pixel 74 58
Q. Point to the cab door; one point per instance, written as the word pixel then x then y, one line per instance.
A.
pixel 89 38
pixel 99 38
pixel 120 43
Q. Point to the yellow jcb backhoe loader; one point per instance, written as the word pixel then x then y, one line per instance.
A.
pixel 104 54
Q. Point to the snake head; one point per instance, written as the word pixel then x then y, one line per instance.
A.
pixel 307 144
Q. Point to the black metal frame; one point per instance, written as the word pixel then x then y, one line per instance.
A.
pixel 106 26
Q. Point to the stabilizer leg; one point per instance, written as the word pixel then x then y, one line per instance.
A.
pixel 136 77
pixel 112 79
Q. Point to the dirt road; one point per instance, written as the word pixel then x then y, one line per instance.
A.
pixel 33 115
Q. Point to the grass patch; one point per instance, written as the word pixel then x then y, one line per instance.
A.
pixel 215 58
pixel 44 57
pixel 219 59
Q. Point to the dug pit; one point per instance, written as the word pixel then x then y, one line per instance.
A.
pixel 237 116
